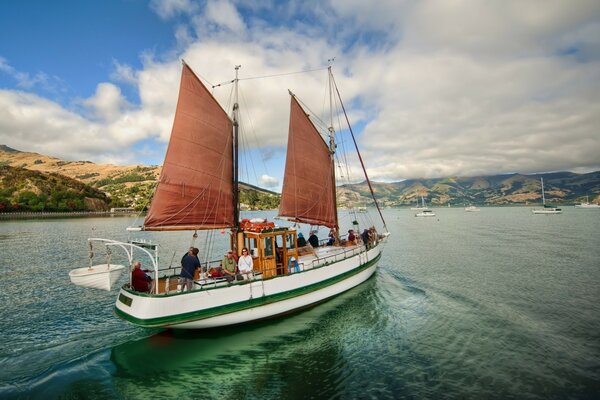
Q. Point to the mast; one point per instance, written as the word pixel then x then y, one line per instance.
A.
pixel 543 196
pixel 236 189
pixel 332 151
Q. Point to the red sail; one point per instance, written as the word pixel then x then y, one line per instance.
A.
pixel 307 194
pixel 195 190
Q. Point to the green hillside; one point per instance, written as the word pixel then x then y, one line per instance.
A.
pixel 512 189
pixel 25 190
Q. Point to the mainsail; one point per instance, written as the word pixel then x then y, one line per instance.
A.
pixel 195 190
pixel 307 194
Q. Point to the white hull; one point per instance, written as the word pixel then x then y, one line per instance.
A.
pixel 546 211
pixel 252 301
pixel 588 205
pixel 472 209
pixel 425 214
pixel 100 276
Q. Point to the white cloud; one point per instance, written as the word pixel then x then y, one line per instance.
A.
pixel 169 8
pixel 434 88
pixel 224 14
pixel 269 181
pixel 108 103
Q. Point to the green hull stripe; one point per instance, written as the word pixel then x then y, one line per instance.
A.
pixel 243 305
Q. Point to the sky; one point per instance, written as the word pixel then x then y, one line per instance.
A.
pixel 433 88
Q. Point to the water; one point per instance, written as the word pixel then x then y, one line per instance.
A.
pixel 495 304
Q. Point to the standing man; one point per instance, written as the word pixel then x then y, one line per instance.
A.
pixel 189 264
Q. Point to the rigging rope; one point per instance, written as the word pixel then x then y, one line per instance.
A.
pixel 268 76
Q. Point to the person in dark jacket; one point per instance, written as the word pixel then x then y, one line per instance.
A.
pixel 140 282
pixel 189 264
pixel 365 238
pixel 313 239
pixel 301 240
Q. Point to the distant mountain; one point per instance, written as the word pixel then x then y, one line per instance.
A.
pixel 511 189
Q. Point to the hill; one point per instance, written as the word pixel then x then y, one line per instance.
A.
pixel 126 186
pixel 25 190
pixel 132 186
pixel 511 189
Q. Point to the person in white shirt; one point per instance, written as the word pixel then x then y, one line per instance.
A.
pixel 245 263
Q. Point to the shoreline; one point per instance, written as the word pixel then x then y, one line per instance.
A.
pixel 63 214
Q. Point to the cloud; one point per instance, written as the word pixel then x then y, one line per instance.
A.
pixel 269 181
pixel 167 9
pixel 433 88
pixel 224 14
pixel 108 103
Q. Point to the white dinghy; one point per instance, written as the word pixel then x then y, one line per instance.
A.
pixel 101 276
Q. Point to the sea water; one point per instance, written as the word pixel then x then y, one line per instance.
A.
pixel 496 304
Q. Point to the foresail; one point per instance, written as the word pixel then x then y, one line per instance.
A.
pixel 307 194
pixel 195 190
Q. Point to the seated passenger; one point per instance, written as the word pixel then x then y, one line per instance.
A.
pixel 229 266
pixel 140 282
pixel 301 240
pixel 332 237
pixel 351 237
pixel 245 264
pixel 313 239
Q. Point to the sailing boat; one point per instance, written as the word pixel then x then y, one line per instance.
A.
pixel 587 204
pixel 198 190
pixel 423 206
pixel 547 209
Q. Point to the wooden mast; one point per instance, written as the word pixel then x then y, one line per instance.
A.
pixel 332 153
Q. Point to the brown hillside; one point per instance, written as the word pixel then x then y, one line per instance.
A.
pixel 84 171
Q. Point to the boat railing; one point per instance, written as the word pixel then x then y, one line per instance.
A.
pixel 337 256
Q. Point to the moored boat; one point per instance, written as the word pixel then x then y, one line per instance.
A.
pixel 586 204
pixel 546 209
pixel 425 213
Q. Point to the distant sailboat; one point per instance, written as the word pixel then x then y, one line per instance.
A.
pixel 423 206
pixel 587 204
pixel 546 209
pixel 425 213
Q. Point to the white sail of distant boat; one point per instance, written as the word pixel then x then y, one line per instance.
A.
pixel 423 205
pixel 587 204
pixel 198 190
pixel 546 208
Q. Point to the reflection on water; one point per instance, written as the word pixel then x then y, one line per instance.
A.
pixel 269 359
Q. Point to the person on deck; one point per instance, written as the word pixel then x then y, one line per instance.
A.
pixel 229 266
pixel 366 239
pixel 245 264
pixel 313 239
pixel 351 237
pixel 140 282
pixel 332 237
pixel 189 264
pixel 301 240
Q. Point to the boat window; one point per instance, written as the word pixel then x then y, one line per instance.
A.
pixel 268 246
pixel 290 241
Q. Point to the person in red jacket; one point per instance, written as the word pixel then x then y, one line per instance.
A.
pixel 140 282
